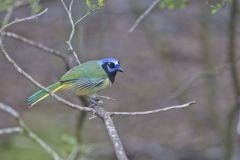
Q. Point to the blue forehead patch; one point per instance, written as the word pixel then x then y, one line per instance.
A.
pixel 105 60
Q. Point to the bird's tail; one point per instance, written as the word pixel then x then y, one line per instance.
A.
pixel 41 94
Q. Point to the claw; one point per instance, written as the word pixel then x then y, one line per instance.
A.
pixel 93 116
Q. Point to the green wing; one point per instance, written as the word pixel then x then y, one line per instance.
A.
pixel 85 79
pixel 84 86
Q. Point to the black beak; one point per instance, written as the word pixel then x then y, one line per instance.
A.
pixel 120 70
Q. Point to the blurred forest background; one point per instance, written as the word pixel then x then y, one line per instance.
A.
pixel 175 55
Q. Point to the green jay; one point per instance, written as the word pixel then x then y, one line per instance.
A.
pixel 85 79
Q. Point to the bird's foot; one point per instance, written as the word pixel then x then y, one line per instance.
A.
pixel 93 115
pixel 94 100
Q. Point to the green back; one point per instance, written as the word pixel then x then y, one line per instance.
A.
pixel 87 70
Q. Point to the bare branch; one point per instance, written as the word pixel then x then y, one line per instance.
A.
pixel 23 19
pixel 70 6
pixel 112 132
pixel 143 15
pixel 10 130
pixel 35 44
pixel 65 6
pixel 9 110
pixel 27 131
pixel 153 111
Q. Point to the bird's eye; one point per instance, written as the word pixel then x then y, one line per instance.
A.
pixel 111 65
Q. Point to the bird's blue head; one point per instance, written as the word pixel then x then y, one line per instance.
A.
pixel 111 66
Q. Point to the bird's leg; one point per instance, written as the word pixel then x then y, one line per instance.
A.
pixel 94 100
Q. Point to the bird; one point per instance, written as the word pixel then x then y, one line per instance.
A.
pixel 83 80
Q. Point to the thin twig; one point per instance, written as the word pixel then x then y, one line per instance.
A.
pixel 83 17
pixel 65 6
pixel 11 9
pixel 23 19
pixel 73 25
pixel 9 14
pixel 153 111
pixel 143 15
pixel 35 44
pixel 105 97
pixel 10 130
pixel 70 6
pixel 69 13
